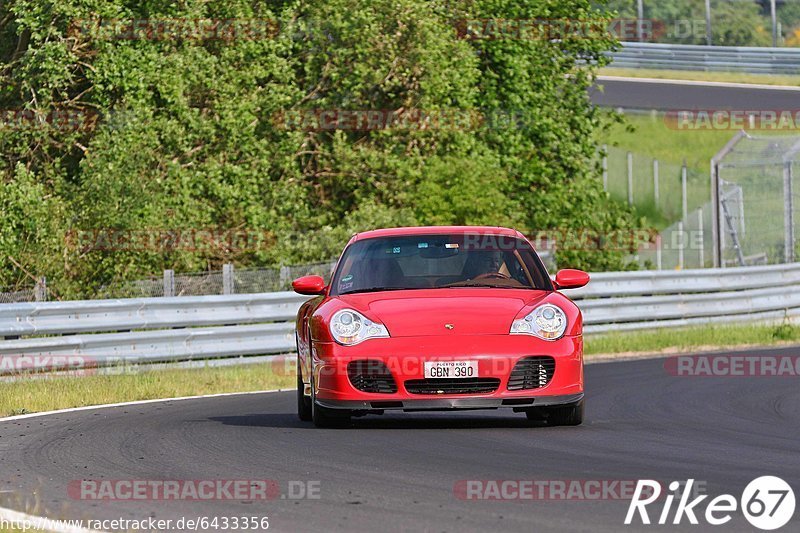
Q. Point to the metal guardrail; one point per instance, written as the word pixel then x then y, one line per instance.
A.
pixel 757 60
pixel 102 332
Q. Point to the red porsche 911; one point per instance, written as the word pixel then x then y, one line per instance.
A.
pixel 440 318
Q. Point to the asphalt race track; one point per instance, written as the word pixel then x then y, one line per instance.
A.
pixel 666 95
pixel 398 472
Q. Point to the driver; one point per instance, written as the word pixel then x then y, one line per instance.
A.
pixel 489 262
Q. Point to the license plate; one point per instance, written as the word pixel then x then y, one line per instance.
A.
pixel 451 369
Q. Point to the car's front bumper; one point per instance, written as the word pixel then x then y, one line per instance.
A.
pixel 450 403
pixel 405 357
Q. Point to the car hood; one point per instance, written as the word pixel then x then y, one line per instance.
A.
pixel 470 311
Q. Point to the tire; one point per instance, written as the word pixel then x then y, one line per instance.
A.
pixel 303 402
pixel 324 417
pixel 566 415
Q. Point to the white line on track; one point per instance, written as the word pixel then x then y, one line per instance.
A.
pixel 732 85
pixel 138 402
pixel 62 527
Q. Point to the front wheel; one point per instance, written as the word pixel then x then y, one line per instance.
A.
pixel 563 415
pixel 324 417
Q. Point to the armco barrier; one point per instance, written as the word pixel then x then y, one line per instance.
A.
pixel 757 60
pixel 203 327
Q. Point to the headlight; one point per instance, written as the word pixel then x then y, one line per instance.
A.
pixel 547 322
pixel 351 327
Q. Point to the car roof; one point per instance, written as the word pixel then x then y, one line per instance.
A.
pixel 433 230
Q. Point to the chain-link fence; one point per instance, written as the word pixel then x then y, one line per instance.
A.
pixel 718 22
pixel 758 195
pixel 25 295
pixel 663 191
pixel 226 281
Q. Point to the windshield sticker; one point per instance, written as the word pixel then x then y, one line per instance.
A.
pixel 346 283
pixel 451 245
pixel 422 245
pixel 396 250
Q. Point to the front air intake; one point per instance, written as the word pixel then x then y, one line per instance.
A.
pixel 452 386
pixel 532 373
pixel 371 376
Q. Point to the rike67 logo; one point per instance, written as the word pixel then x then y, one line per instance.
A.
pixel 767 503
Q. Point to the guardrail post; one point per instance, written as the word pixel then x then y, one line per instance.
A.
pixel 227 278
pixel 630 178
pixel 40 292
pixel 169 283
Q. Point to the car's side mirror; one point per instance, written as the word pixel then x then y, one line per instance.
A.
pixel 309 285
pixel 570 278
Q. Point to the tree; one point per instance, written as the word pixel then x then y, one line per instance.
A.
pixel 212 125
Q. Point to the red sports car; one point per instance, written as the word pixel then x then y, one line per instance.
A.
pixel 439 318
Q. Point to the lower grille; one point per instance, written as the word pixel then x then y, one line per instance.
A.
pixel 532 373
pixel 452 386
pixel 371 376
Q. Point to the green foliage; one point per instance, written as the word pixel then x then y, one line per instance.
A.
pixel 181 133
pixel 785 331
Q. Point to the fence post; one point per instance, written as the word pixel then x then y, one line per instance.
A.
pixel 658 252
pixel 681 244
pixel 40 292
pixel 169 283
pixel 605 167
pixel 684 199
pixel 774 20
pixel 284 277
pixel 709 38
pixel 630 178
pixel 788 207
pixel 640 20
pixel 227 278
pixel 701 237
pixel 655 181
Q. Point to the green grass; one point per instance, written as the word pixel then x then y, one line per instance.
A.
pixel 681 340
pixel 650 135
pixel 30 395
pixel 731 77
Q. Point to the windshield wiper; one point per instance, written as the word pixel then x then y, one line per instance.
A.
pixel 381 289
pixel 462 284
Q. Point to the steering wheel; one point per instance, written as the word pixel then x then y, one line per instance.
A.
pixel 495 275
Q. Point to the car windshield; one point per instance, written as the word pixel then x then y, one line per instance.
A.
pixel 439 261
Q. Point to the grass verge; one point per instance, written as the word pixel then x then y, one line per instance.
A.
pixel 30 395
pixel 693 339
pixel 730 77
